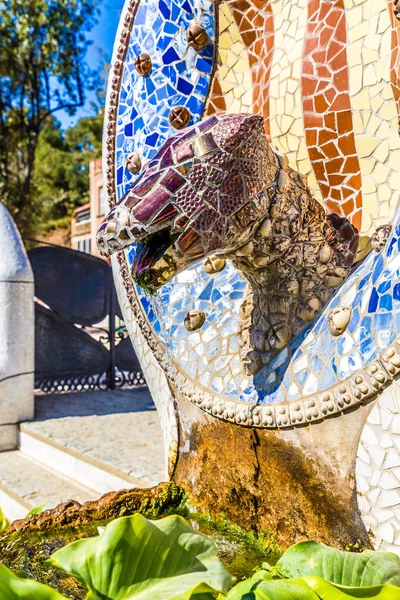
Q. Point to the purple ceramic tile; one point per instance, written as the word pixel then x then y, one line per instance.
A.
pixel 167 160
pixel 165 216
pixel 131 201
pixel 151 204
pixel 207 124
pixel 165 147
pixel 146 184
pixel 183 153
pixel 172 180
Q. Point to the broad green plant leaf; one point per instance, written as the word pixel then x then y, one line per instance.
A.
pixel 343 568
pixel 13 587
pixel 4 524
pixel 138 559
pixel 262 587
pixel 36 510
pixel 329 591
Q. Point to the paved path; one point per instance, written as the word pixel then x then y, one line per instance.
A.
pixel 115 428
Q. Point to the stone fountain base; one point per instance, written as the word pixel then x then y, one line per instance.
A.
pixel 297 483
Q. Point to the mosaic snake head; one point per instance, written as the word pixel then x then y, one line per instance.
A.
pixel 204 192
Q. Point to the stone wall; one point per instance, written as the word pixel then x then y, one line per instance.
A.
pixel 16 332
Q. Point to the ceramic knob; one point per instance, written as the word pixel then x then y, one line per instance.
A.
pixel 197 36
pixel 134 163
pixel 179 117
pixel 143 64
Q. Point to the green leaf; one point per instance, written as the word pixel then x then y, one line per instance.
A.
pixel 343 568
pixel 328 591
pixel 36 510
pixel 135 558
pixel 13 587
pixel 258 588
pixel 4 524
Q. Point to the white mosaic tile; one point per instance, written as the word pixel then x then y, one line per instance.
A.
pixel 378 486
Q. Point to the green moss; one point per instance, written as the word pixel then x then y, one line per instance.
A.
pixel 357 547
pixel 27 552
pixel 240 551
pixel 172 502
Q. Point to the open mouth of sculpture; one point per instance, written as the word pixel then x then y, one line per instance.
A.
pixel 155 260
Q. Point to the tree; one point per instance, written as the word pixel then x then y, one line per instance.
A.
pixel 42 70
pixel 61 171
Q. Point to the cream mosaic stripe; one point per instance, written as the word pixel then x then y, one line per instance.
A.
pixel 287 127
pixel 233 65
pixel 374 109
pixel 378 471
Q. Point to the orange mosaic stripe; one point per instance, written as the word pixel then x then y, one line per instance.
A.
pixel 216 100
pixel 395 57
pixel 255 22
pixel 327 112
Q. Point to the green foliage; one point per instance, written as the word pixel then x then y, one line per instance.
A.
pixel 42 71
pixel 36 510
pixel 4 524
pixel 135 558
pixel 61 176
pixel 343 568
pixel 138 559
pixel 328 591
pixel 262 587
pixel 319 571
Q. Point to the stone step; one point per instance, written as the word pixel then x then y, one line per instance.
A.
pixel 103 440
pixel 26 483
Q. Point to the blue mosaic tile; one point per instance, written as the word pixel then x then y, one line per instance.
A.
pixel 180 76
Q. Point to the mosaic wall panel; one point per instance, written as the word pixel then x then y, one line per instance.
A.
pixel 268 53
pixel 286 114
pixel 181 76
pixel 327 109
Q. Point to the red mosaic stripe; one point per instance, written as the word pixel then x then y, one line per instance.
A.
pixel 327 112
pixel 255 21
pixel 395 56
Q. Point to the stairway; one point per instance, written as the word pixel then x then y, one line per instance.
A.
pixel 81 445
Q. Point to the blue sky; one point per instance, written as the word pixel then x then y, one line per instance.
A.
pixel 103 36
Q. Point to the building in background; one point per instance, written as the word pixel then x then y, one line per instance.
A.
pixel 87 218
pixel 81 229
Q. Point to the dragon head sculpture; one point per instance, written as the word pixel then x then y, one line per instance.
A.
pixel 219 188
pixel 203 193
